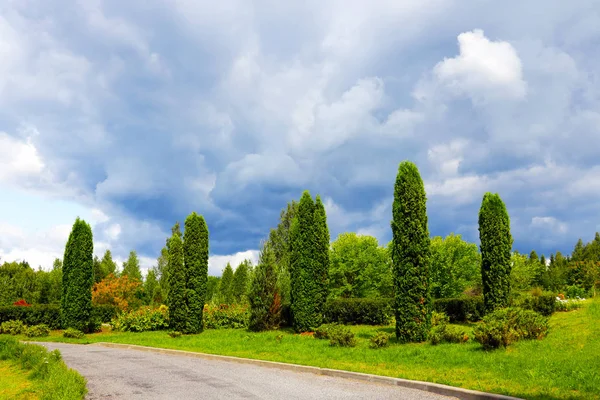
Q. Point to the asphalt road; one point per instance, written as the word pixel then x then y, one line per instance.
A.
pixel 132 374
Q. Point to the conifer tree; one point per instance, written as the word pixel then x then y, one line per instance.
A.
pixel 305 292
pixel 410 255
pixel 264 298
pixel 240 282
pixel 195 247
pixel 150 286
pixel 225 286
pixel 77 278
pixel 496 248
pixel 321 254
pixel 131 267
pixel 107 264
pixel 178 311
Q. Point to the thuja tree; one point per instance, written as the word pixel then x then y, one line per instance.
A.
pixel 226 285
pixel 410 255
pixel 496 246
pixel 178 310
pixel 264 298
pixel 239 285
pixel 77 278
pixel 195 252
pixel 321 254
pixel 305 290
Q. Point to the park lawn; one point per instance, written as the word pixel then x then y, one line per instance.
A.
pixel 14 383
pixel 565 365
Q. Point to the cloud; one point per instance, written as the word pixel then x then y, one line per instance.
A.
pixel 217 263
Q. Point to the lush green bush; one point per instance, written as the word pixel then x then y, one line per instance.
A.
pixel 359 311
pixel 73 333
pixel 444 333
pixel 105 312
pixel 41 330
pixel 544 304
pixel 175 334
pixel 226 316
pixel 144 319
pixel 573 292
pixel 36 314
pixel 322 332
pixel 341 336
pixel 380 339
pixel 508 325
pixel 439 318
pixel 13 327
pixel 461 309
pixel 56 381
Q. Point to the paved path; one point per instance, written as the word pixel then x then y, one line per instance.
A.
pixel 132 374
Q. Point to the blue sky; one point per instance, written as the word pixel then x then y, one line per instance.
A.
pixel 133 114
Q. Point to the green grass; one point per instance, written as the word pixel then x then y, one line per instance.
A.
pixel 35 373
pixel 565 365
pixel 14 383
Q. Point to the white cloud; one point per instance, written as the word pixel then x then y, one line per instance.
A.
pixel 217 263
pixel 18 159
pixel 549 223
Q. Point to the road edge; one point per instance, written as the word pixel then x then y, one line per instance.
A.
pixel 445 390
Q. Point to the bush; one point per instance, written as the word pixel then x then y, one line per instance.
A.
pixel 341 336
pixel 73 333
pixel 508 325
pixel 56 381
pixel 544 303
pixel 461 309
pixel 445 333
pixel 359 311
pixel 574 292
pixel 380 339
pixel 41 330
pixel 105 312
pixel 439 318
pixel 175 334
pixel 569 305
pixel 225 316
pixel 322 332
pixel 142 320
pixel 13 327
pixel 48 314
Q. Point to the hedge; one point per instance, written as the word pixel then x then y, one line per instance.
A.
pixel 544 304
pixel 359 311
pixel 49 314
pixel 461 309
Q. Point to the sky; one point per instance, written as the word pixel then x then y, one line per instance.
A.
pixel 133 114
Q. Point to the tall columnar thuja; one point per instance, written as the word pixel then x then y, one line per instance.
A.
pixel 304 271
pixel 77 278
pixel 264 298
pixel 321 254
pixel 410 255
pixel 195 255
pixel 178 310
pixel 496 247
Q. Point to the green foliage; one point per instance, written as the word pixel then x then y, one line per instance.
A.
pixel 359 311
pixel 76 300
pixel 226 316
pixel 379 340
pixel 342 337
pixel 455 266
pixel 175 334
pixel 439 318
pixel 226 286
pixel 142 320
pixel 264 298
pixel 195 248
pixel 461 309
pixel 240 282
pixel 544 304
pixel 150 288
pixel 131 267
pixel 321 256
pixel 359 267
pixel 13 327
pixel 55 380
pixel 178 309
pixel 322 332
pixel 574 292
pixel 508 325
pixel 40 330
pixel 33 315
pixel 107 265
pixel 410 255
pixel 496 246
pixel 212 288
pixel 104 312
pixel 304 268
pixel 162 273
pixel 444 333
pixel 569 305
pixel 73 333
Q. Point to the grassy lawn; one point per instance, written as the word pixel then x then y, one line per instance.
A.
pixel 565 365
pixel 14 383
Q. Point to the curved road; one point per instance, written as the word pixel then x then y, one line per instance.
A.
pixel 132 374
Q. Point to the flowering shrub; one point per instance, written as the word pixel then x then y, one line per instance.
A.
pixel 144 319
pixel 22 303
pixel 225 316
pixel 120 292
